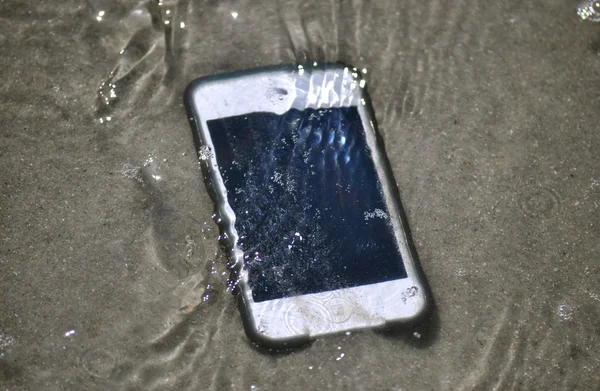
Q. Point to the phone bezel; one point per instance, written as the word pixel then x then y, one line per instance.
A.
pixel 299 318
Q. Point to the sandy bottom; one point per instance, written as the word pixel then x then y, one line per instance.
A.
pixel 111 277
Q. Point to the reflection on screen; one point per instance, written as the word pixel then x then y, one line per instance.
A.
pixel 309 209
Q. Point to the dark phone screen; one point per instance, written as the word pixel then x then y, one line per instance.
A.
pixel 310 212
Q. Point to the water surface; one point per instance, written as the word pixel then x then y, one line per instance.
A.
pixel 111 273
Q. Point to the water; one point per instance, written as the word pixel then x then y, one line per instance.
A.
pixel 111 275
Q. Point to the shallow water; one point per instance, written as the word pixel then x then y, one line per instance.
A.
pixel 111 274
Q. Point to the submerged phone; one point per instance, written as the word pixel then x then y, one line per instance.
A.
pixel 305 201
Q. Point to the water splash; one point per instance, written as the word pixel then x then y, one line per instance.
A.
pixel 151 32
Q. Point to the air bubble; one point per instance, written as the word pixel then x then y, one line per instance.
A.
pixel 204 153
pixel 565 312
pixel 589 10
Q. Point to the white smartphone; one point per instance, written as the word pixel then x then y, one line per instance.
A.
pixel 305 201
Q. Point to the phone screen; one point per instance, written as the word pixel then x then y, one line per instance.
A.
pixel 308 203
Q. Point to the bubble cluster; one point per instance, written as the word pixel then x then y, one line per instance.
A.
pixel 589 10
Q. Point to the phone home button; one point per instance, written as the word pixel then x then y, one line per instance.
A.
pixel 339 309
pixel 304 316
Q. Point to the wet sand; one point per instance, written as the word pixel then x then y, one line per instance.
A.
pixel 111 277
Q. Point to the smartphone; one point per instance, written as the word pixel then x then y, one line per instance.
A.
pixel 305 201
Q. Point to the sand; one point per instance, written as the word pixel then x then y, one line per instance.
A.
pixel 110 272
